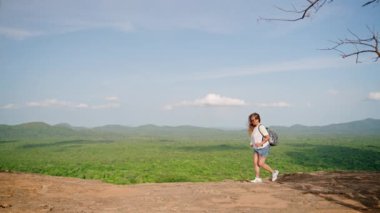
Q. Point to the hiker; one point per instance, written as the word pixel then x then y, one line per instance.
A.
pixel 260 145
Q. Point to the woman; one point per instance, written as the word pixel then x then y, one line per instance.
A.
pixel 259 142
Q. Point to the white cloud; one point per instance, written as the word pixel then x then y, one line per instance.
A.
pixel 54 17
pixel 306 64
pixel 280 104
pixel 83 106
pixel 51 103
pixel 66 26
pixel 374 96
pixel 106 106
pixel 215 100
pixel 46 103
pixel 210 100
pixel 56 103
pixel 18 34
pixel 112 98
pixel 333 92
pixel 8 106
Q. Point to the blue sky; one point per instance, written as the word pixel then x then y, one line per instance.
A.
pixel 175 62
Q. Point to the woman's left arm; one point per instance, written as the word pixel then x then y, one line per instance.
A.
pixel 265 139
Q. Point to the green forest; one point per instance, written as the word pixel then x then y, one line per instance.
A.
pixel 152 154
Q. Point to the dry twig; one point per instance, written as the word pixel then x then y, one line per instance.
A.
pixel 361 46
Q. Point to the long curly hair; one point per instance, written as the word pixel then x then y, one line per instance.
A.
pixel 250 125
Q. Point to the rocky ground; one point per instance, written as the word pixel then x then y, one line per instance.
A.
pixel 311 192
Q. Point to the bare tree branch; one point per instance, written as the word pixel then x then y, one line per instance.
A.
pixel 343 46
pixel 305 12
pixel 370 2
pixel 361 46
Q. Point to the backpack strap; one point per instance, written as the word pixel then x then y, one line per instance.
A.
pixel 259 130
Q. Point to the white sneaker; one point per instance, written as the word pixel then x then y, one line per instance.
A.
pixel 257 180
pixel 274 175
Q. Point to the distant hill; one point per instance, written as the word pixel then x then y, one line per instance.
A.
pixel 168 131
pixel 34 130
pixel 363 127
pixel 40 130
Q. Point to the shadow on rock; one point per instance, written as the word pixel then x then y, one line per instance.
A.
pixel 358 191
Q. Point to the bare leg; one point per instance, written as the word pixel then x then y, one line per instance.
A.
pixel 263 164
pixel 256 164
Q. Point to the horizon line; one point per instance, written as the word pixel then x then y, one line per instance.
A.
pixel 182 125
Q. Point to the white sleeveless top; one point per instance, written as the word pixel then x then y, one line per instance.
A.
pixel 257 137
